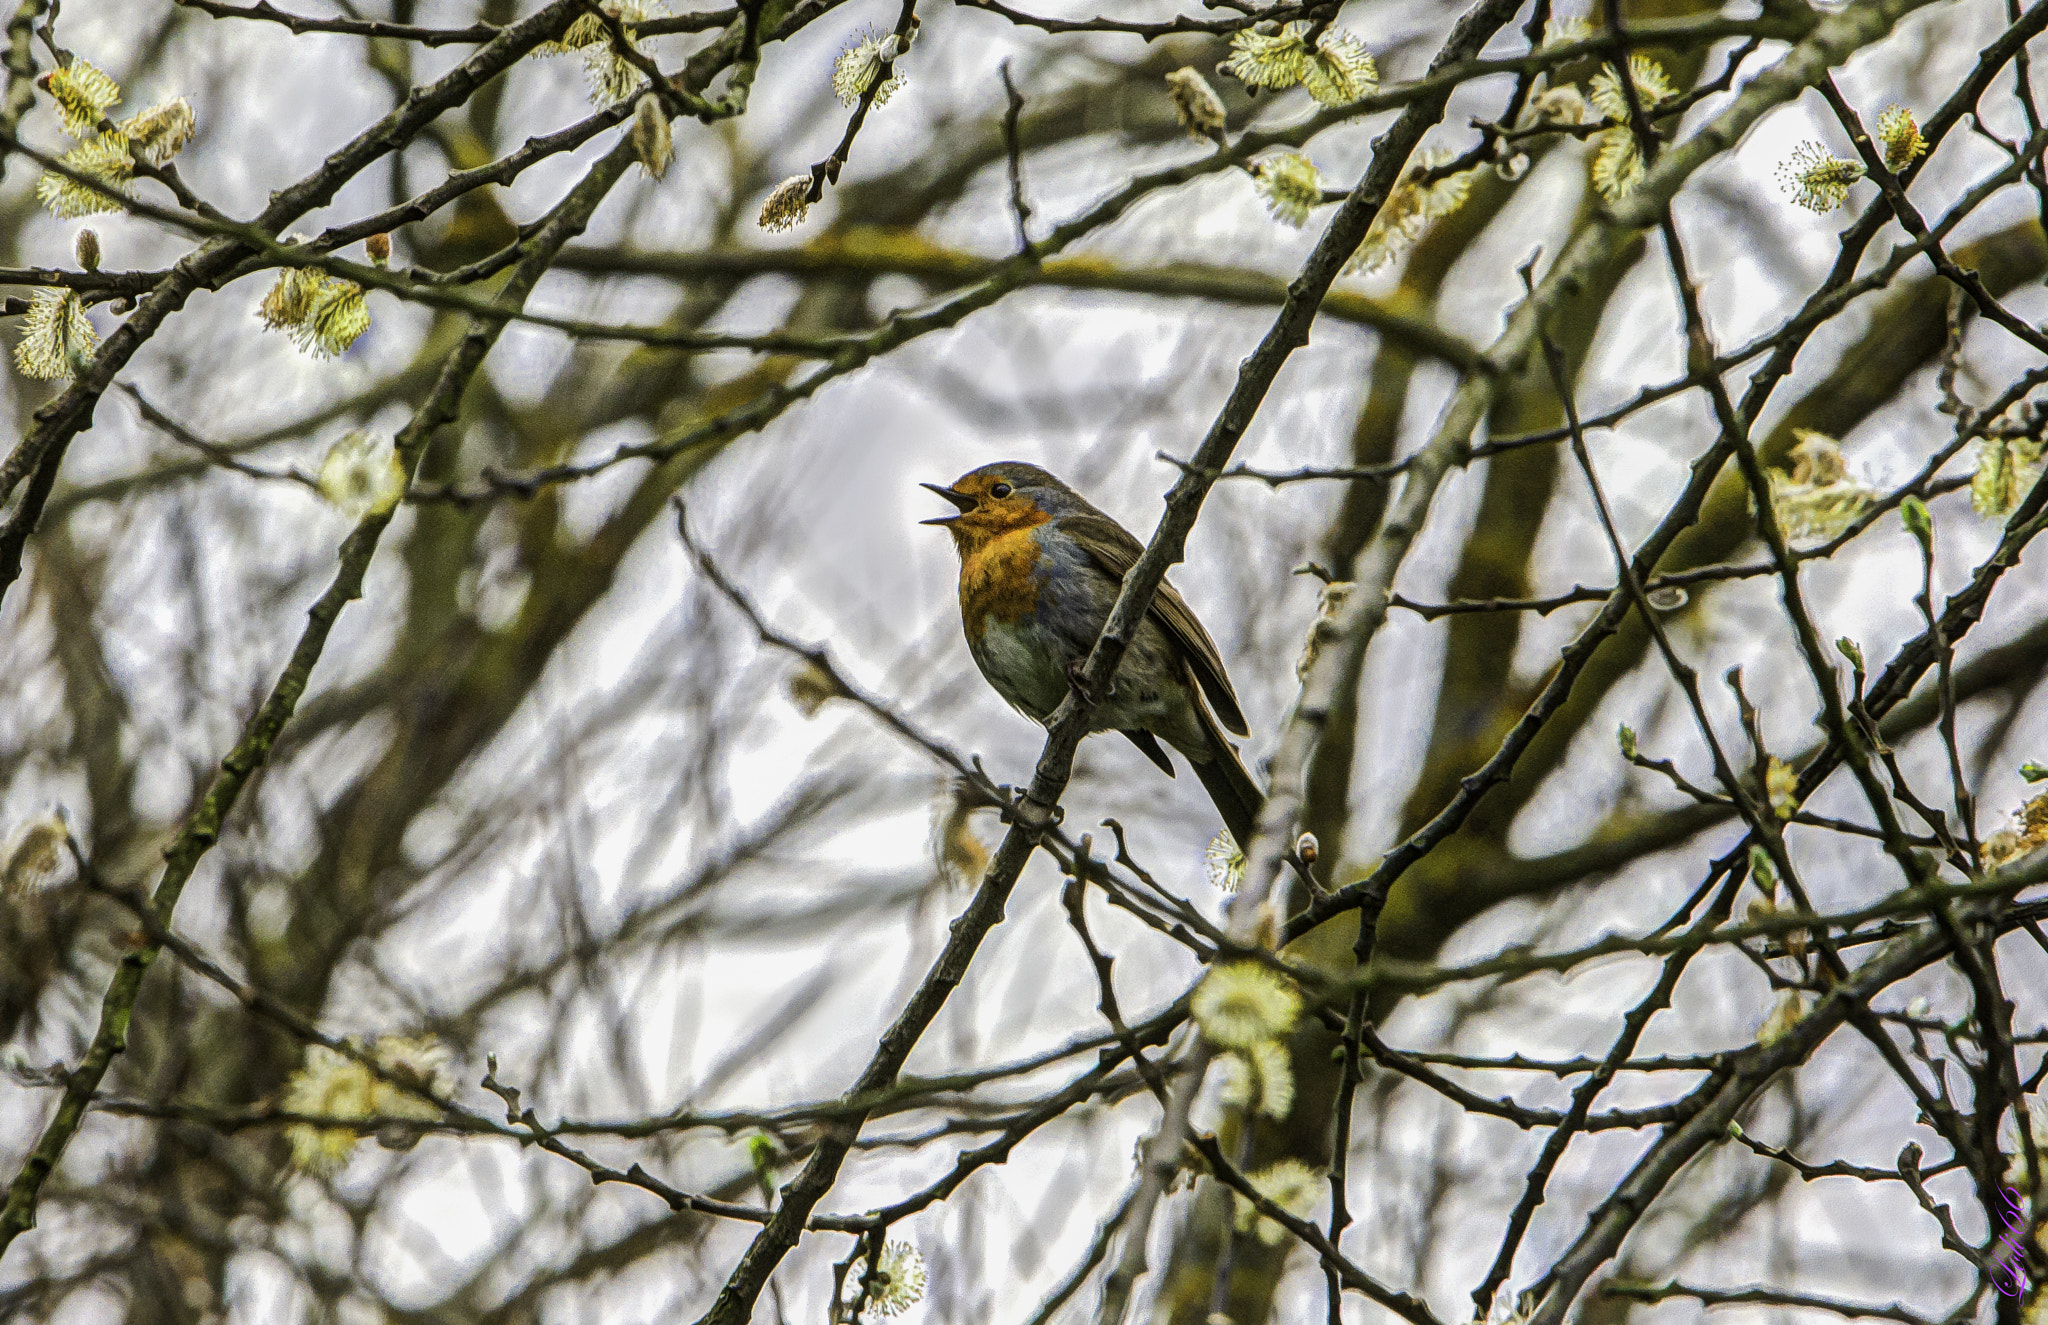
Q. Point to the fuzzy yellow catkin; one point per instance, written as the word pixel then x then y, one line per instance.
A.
pixel 104 159
pixel 1336 71
pixel 1339 70
pixel 338 317
pixel 1223 862
pixel 1239 1004
pixel 1290 1184
pixel 1267 59
pixel 860 64
pixel 1200 110
pixel 362 474
pixel 1617 151
pixel 1410 210
pixel 1617 162
pixel 897 1283
pixel 161 132
pixel 1290 184
pixel 1652 86
pixel 56 337
pixel 959 854
pixel 34 855
pixel 333 1085
pixel 83 95
pixel 787 204
pixel 289 298
pixel 1818 499
pixel 1816 179
pixel 611 76
pixel 2005 470
pixel 1557 105
pixel 2026 834
pixel 652 144
pixel 1781 784
pixel 1900 134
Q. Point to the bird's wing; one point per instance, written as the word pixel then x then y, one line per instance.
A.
pixel 1116 551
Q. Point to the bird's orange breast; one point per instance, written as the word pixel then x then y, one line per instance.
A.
pixel 999 580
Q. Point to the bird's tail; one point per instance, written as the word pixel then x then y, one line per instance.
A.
pixel 1228 782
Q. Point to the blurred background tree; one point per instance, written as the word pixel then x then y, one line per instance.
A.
pixel 488 755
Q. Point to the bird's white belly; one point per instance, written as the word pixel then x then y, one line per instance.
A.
pixel 1016 657
pixel 1025 663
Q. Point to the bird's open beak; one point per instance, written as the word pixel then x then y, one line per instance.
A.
pixel 959 499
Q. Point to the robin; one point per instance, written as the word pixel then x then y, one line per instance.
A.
pixel 1040 569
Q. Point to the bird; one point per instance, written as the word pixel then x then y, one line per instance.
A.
pixel 1040 568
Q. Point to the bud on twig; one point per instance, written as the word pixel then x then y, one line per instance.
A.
pixel 1913 512
pixel 378 246
pixel 87 247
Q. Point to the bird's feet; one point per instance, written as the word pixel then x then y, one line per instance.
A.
pixel 1019 809
pixel 1077 678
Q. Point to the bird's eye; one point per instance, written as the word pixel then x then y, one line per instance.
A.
pixel 999 491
